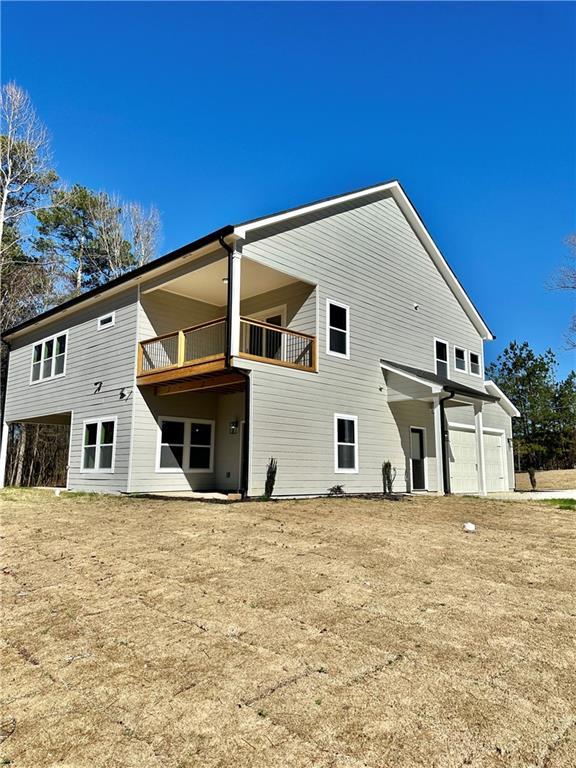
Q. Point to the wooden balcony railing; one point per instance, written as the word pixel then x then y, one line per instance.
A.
pixel 206 343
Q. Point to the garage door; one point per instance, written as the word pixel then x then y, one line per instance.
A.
pixel 463 467
pixel 463 472
pixel 494 459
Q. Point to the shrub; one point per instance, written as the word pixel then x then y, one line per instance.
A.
pixel 271 470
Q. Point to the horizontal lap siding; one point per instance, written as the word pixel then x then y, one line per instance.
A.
pixel 105 356
pixel 370 259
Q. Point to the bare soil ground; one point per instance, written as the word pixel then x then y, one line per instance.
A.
pixel 328 633
pixel 552 480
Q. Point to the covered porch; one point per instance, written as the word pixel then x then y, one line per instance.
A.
pixel 460 455
pixel 190 321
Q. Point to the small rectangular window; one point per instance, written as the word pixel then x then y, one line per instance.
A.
pixel 345 443
pixel 49 358
pixel 98 445
pixel 441 351
pixel 337 329
pixel 475 364
pixel 106 321
pixel 460 359
pixel 186 445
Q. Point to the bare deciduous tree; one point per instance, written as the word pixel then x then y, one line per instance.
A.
pixel 565 280
pixel 144 232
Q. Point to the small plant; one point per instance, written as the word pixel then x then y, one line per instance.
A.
pixel 532 476
pixel 388 477
pixel 318 701
pixel 262 713
pixel 271 470
pixel 336 490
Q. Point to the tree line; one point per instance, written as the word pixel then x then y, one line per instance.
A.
pixel 57 240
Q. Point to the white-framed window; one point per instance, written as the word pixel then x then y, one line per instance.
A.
pixel 441 357
pixel 460 359
pixel 337 329
pixel 99 444
pixel 475 367
pixel 345 443
pixel 185 445
pixel 106 321
pixel 49 358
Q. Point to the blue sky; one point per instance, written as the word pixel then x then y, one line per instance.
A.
pixel 221 112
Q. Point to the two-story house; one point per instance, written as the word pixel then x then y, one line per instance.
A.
pixel 332 337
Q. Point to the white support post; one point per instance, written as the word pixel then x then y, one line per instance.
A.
pixel 3 454
pixel 438 438
pixel 235 308
pixel 481 464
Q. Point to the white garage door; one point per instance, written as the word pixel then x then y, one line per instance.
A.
pixel 463 472
pixel 494 459
pixel 463 467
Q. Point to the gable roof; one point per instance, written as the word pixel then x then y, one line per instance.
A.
pixel 239 231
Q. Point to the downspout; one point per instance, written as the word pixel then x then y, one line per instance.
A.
pixel 445 458
pixel 245 374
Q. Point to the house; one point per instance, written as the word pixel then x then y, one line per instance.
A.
pixel 333 337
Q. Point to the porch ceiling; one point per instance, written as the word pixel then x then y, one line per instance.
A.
pixel 207 283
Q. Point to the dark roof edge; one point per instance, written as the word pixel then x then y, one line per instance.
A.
pixel 448 385
pixel 134 273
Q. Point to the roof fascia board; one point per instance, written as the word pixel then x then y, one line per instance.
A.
pixel 242 229
pixel 505 402
pixel 401 198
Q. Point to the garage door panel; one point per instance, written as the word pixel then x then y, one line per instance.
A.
pixel 463 470
pixel 463 461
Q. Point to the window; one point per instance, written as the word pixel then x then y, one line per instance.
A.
pixel 106 321
pixel 460 359
pixel 475 364
pixel 185 445
pixel 49 358
pixel 337 329
pixel 441 351
pixel 345 443
pixel 99 445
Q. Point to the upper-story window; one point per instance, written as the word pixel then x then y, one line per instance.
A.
pixel 475 364
pixel 337 329
pixel 49 358
pixel 441 352
pixel 106 321
pixel 460 359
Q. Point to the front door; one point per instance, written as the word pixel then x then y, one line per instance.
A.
pixel 417 459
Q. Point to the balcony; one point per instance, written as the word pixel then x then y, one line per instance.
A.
pixel 200 350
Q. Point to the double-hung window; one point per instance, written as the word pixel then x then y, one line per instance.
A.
pixel 460 359
pixel 475 364
pixel 185 445
pixel 345 443
pixel 49 358
pixel 337 329
pixel 441 353
pixel 99 445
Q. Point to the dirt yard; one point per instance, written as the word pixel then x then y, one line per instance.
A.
pixel 341 633
pixel 552 480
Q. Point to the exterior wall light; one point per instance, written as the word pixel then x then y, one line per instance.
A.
pixel 233 427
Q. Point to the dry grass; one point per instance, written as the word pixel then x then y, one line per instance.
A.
pixel 338 633
pixel 552 480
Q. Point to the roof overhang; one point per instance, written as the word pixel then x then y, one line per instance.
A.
pixel 403 384
pixel 505 402
pixel 394 189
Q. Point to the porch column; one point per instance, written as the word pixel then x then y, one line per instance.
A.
pixel 235 305
pixel 479 427
pixel 3 454
pixel 438 437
